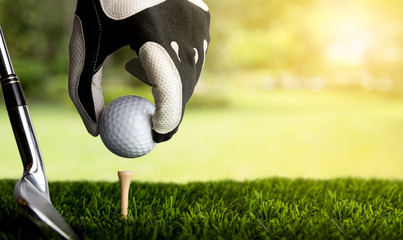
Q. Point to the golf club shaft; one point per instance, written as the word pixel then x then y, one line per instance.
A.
pixel 6 68
pixel 21 121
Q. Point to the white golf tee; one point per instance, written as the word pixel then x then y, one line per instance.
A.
pixel 124 179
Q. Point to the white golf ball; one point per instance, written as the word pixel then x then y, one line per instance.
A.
pixel 125 126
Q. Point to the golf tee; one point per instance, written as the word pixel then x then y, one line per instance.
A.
pixel 124 179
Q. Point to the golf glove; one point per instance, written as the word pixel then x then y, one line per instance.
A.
pixel 170 38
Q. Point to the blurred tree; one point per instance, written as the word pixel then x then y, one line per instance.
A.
pixel 291 37
pixel 37 40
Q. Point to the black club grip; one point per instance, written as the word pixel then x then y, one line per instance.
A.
pixel 12 92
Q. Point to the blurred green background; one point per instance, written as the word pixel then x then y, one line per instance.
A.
pixel 308 88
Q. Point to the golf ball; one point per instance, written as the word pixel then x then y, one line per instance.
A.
pixel 125 126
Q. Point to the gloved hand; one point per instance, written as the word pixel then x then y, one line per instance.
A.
pixel 170 38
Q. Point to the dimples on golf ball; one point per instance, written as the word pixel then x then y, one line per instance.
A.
pixel 125 126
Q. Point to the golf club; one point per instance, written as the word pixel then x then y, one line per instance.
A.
pixel 31 191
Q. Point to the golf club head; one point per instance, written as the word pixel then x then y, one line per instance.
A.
pixel 39 208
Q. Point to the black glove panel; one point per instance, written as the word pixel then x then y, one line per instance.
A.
pixel 171 40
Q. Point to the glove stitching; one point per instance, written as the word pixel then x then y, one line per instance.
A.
pixel 99 37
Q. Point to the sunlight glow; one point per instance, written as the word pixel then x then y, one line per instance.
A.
pixel 350 48
pixel 351 39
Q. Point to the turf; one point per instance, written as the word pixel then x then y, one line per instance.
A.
pixel 274 208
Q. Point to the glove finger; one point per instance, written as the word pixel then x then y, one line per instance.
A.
pixel 166 88
pixel 135 68
pixel 84 85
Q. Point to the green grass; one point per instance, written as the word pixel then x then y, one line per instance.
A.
pixel 275 208
pixel 239 135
